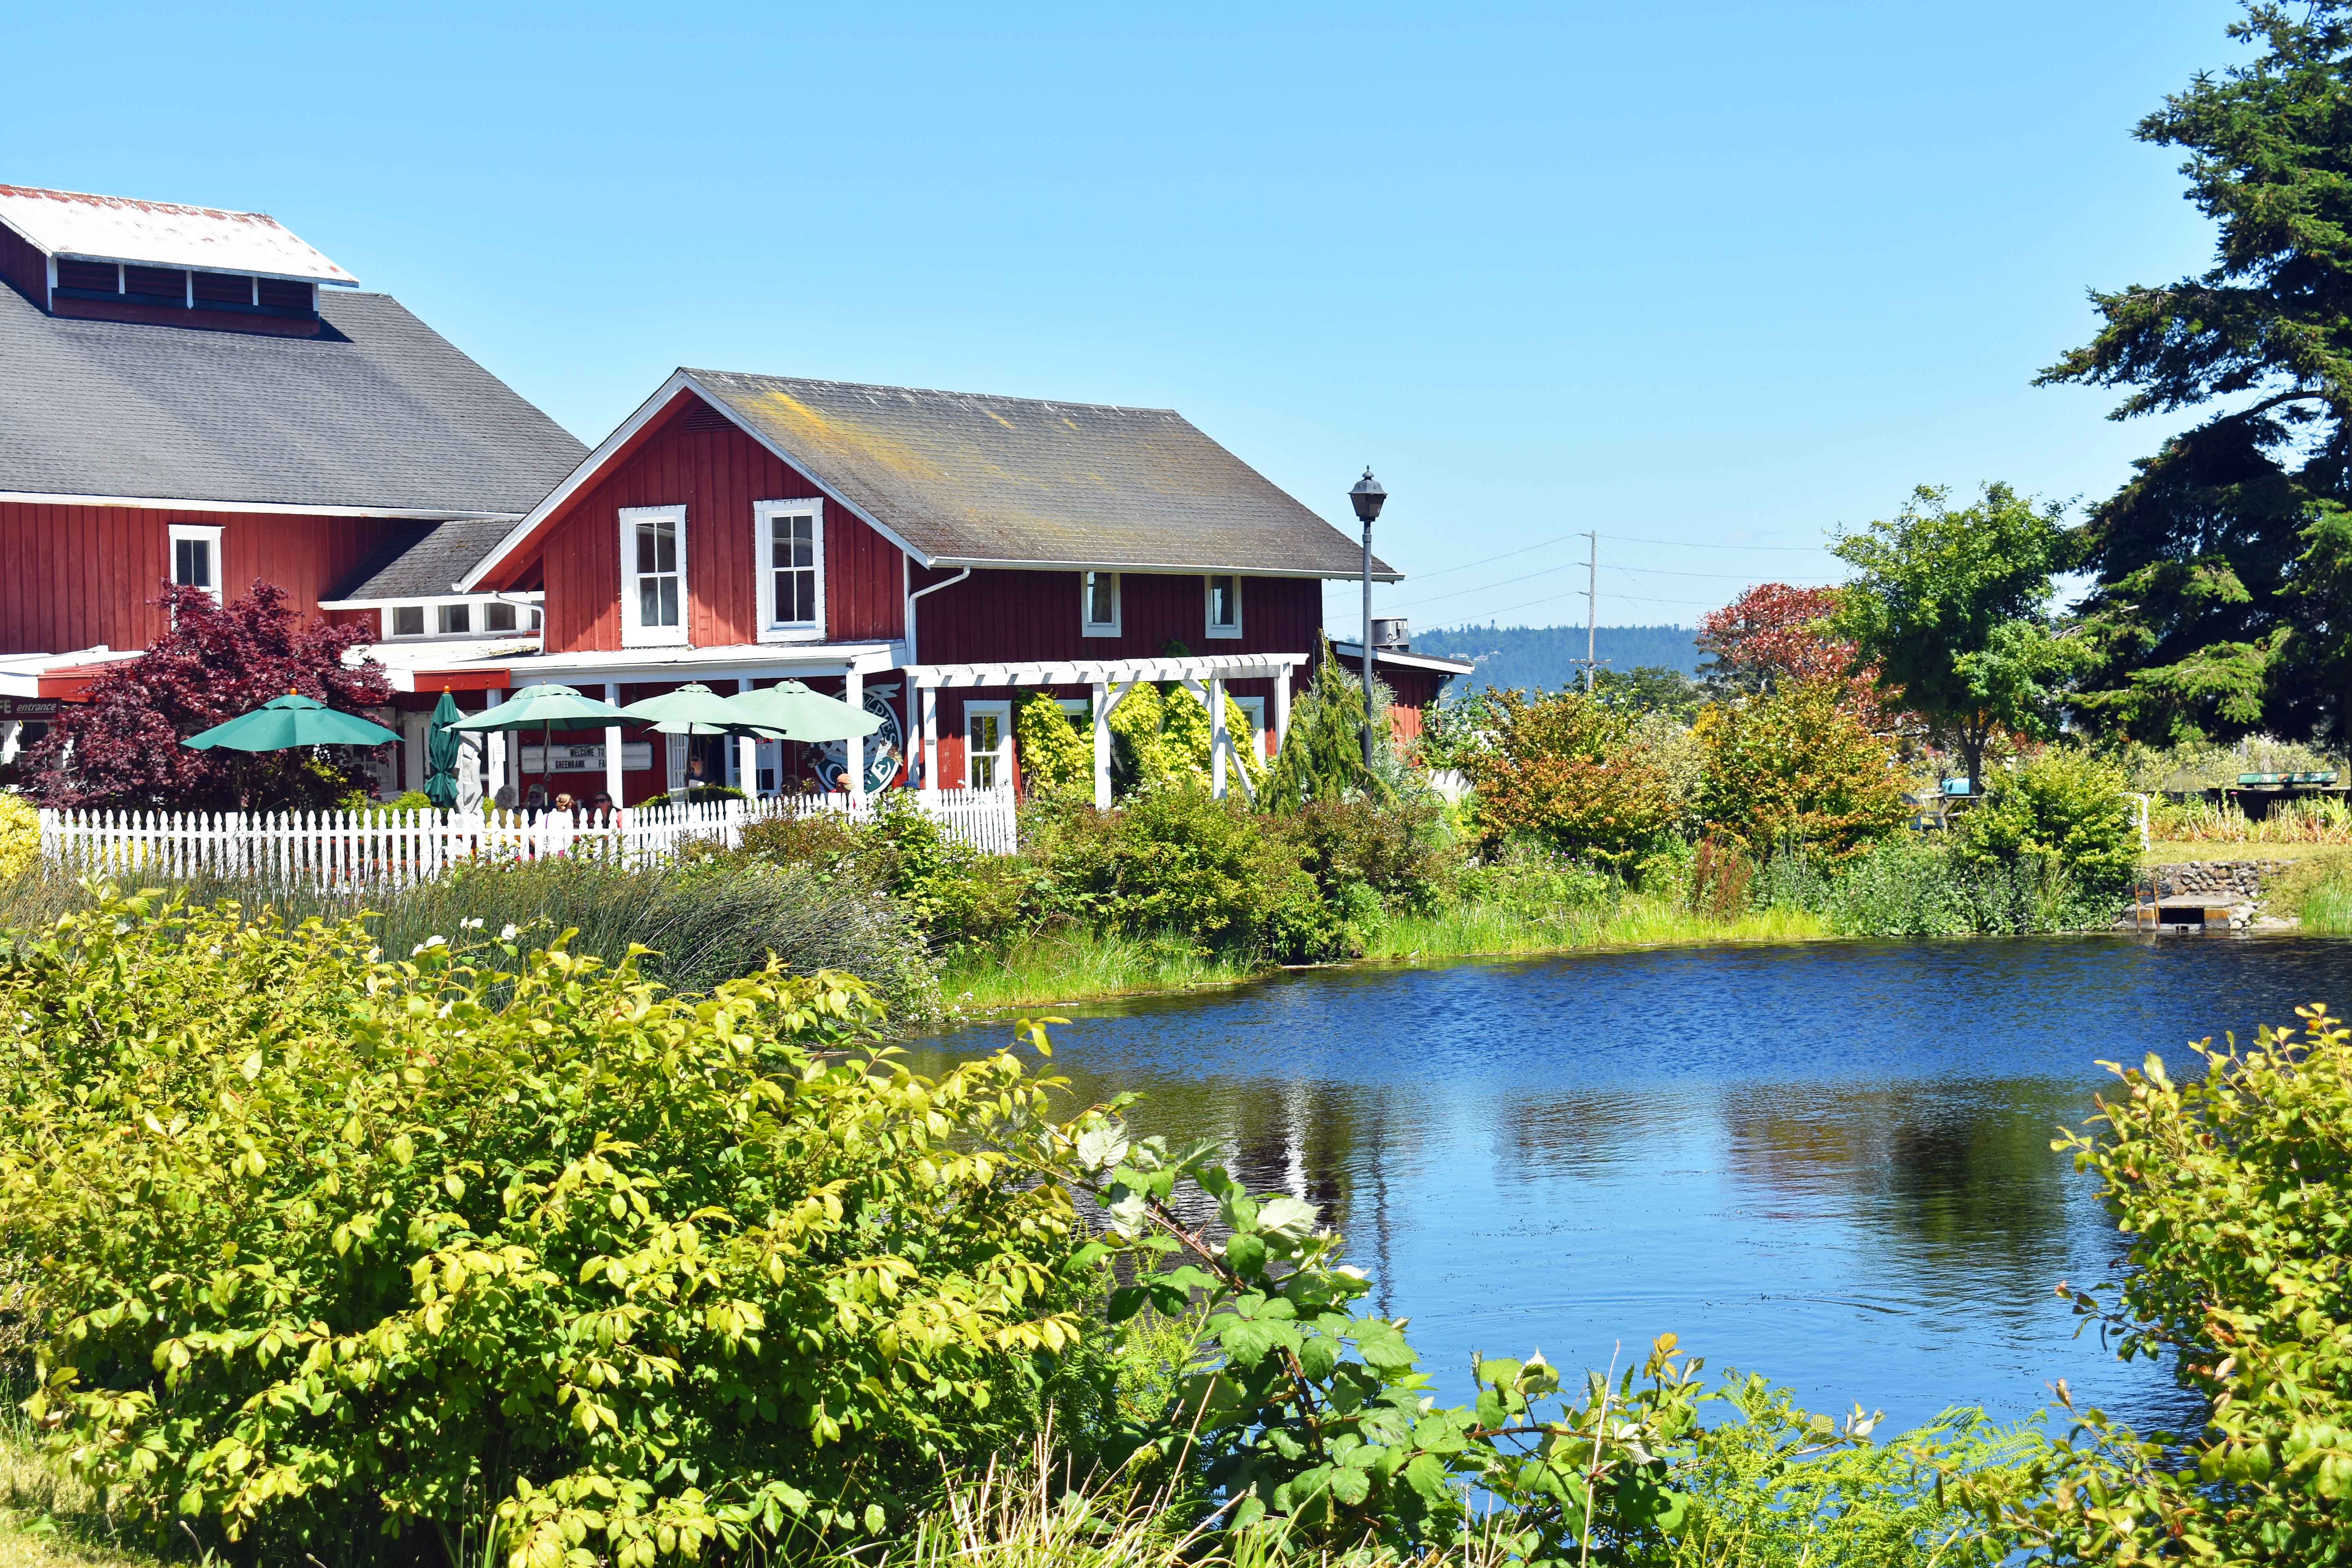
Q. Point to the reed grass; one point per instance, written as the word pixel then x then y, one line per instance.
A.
pixel 1075 963
pixel 1478 930
pixel 2314 819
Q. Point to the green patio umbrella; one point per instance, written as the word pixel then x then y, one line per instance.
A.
pixel 546 709
pixel 284 723
pixel 693 710
pixel 795 713
pixel 442 747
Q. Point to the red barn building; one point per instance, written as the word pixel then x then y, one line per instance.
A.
pixel 935 556
pixel 194 395
pixel 199 396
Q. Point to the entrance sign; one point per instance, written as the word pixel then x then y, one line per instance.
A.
pixel 587 758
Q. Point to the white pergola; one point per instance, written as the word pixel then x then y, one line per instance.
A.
pixel 1204 675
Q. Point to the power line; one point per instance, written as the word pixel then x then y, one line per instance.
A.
pixel 1506 555
pixel 1489 588
pixel 1725 576
pixel 1693 544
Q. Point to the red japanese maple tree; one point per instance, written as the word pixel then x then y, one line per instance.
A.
pixel 121 749
pixel 1773 635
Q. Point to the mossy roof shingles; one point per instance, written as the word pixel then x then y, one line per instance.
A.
pixel 967 478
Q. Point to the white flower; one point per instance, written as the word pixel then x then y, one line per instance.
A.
pixel 428 942
pixel 473 924
pixel 507 933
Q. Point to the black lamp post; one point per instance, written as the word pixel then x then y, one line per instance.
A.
pixel 1367 498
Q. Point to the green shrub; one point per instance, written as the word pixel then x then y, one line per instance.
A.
pixel 1528 880
pixel 1055 758
pixel 1575 775
pixel 332 1244
pixel 1796 766
pixel 1403 854
pixel 1322 756
pixel 954 897
pixel 700 795
pixel 2232 1187
pixel 1906 887
pixel 2065 807
pixel 1183 864
pixel 20 835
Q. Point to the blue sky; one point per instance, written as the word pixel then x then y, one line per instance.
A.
pixel 1698 278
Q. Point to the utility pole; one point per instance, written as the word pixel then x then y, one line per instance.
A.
pixel 1591 609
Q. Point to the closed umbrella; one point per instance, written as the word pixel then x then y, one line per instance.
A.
pixel 442 747
pixel 282 723
pixel 546 709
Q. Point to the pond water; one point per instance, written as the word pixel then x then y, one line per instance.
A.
pixel 1826 1163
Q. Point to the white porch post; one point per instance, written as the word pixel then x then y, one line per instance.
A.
pixel 852 691
pixel 9 747
pixel 1102 746
pixel 493 752
pixel 613 747
pixel 1281 708
pixel 413 753
pixel 747 751
pixel 1218 741
pixel 931 737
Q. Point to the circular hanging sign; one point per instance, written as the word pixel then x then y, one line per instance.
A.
pixel 885 749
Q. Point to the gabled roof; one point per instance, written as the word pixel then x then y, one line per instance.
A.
pixel 964 479
pixel 377 415
pixel 161 233
pixel 420 561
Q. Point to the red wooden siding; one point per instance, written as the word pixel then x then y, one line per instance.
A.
pixel 717 472
pixel 992 616
pixel 26 267
pixel 79 576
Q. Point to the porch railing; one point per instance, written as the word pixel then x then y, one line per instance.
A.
pixel 395 848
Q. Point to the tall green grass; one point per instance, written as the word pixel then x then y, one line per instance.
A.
pixel 705 921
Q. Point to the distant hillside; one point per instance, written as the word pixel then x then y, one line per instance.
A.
pixel 1545 657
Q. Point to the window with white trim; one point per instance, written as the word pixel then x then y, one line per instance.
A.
pixel 1098 604
pixel 1253 714
pixel 498 616
pixel 456 620
pixel 653 575
pixel 196 556
pixel 406 620
pixel 792 570
pixel 987 744
pixel 1224 593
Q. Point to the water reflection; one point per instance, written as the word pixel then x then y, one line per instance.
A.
pixel 1830 1165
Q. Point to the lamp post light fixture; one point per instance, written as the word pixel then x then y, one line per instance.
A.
pixel 1367 498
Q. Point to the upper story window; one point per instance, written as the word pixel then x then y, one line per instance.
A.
pixel 454 620
pixel 408 620
pixel 499 616
pixel 196 556
pixel 653 575
pixel 1224 604
pixel 792 570
pixel 1098 604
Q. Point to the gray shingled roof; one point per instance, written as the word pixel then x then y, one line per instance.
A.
pixel 968 479
pixel 423 560
pixel 383 413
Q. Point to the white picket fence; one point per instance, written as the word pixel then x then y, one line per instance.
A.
pixel 394 848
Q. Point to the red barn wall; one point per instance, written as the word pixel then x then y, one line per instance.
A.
pixel 695 457
pixel 993 615
pixel 78 576
pixel 22 264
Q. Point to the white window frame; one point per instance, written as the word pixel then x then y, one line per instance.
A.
pixel 765 514
pixel 441 618
pixel 1003 710
pixel 633 633
pixel 1254 710
pixel 209 536
pixel 528 616
pixel 1209 601
pixel 1087 626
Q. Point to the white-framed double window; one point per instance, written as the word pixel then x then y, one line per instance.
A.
pixel 196 556
pixel 1098 604
pixel 653 575
pixel 1222 592
pixel 792 570
pixel 987 744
